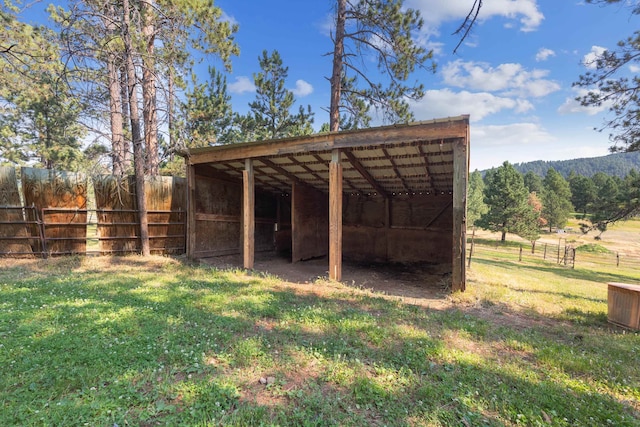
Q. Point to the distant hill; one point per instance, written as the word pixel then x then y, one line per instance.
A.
pixel 618 164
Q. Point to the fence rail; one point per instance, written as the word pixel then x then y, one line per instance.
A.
pixel 559 254
pixel 34 229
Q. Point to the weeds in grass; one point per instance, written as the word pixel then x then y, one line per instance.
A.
pixel 156 342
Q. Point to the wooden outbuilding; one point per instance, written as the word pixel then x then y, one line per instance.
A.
pixel 393 194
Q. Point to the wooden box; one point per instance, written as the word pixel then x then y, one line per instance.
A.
pixel 624 305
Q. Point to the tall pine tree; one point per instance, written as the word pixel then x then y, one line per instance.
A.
pixel 506 196
pixel 476 206
pixel 556 200
pixel 385 30
pixel 271 110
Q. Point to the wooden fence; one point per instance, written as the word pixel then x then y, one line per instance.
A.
pixel 57 214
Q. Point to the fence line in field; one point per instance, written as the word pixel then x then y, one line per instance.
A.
pixel 559 254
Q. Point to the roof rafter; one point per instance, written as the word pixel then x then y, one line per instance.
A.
pixel 366 175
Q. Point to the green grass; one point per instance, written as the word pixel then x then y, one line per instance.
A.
pixel 129 341
pixel 593 248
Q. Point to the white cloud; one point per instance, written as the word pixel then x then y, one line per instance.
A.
pixel 509 135
pixel 508 78
pixel 437 11
pixel 228 18
pixel 544 54
pixel 589 60
pixel 302 88
pixel 517 142
pixel 445 102
pixel 242 84
pixel 634 68
pixel 571 106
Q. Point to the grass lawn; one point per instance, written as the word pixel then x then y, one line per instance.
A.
pixel 134 342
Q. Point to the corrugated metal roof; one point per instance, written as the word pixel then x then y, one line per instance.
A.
pixel 407 160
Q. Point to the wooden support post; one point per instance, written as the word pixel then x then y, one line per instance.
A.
pixel 191 210
pixel 460 177
pixel 335 216
pixel 248 214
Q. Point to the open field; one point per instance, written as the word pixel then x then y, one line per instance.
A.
pixel 133 341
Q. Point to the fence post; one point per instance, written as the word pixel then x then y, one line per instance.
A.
pixel 473 236
pixel 617 259
pixel 573 251
pixel 558 252
pixel 533 248
pixel 544 257
pixel 520 256
pixel 41 226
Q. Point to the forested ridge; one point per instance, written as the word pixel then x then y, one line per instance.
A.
pixel 617 164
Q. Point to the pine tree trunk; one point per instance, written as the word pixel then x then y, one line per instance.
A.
pixel 170 124
pixel 115 117
pixel 126 120
pixel 149 90
pixel 136 134
pixel 336 75
pixel 115 99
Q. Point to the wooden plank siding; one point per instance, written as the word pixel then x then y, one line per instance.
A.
pixel 309 223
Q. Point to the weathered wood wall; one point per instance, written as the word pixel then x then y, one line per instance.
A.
pixel 12 220
pixel 218 207
pixel 283 233
pixel 400 229
pixel 57 194
pixel 309 222
pixel 166 205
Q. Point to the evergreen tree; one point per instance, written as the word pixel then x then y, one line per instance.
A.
pixel 556 200
pixel 606 204
pixel 536 205
pixel 475 198
pixel 611 85
pixel 583 192
pixel 161 39
pixel 209 118
pixel 384 29
pixel 271 110
pixel 506 196
pixel 531 220
pixel 533 182
pixel 38 113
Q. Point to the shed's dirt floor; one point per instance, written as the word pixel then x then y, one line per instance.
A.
pixel 425 282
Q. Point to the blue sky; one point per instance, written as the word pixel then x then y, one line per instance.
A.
pixel 513 75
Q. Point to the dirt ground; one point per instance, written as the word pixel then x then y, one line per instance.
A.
pixel 425 282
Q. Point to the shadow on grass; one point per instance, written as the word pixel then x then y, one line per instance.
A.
pixel 189 348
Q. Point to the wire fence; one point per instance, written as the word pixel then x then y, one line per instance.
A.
pixel 560 254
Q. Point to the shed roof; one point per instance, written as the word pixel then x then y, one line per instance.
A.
pixel 416 158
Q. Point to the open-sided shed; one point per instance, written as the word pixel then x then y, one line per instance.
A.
pixel 392 194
